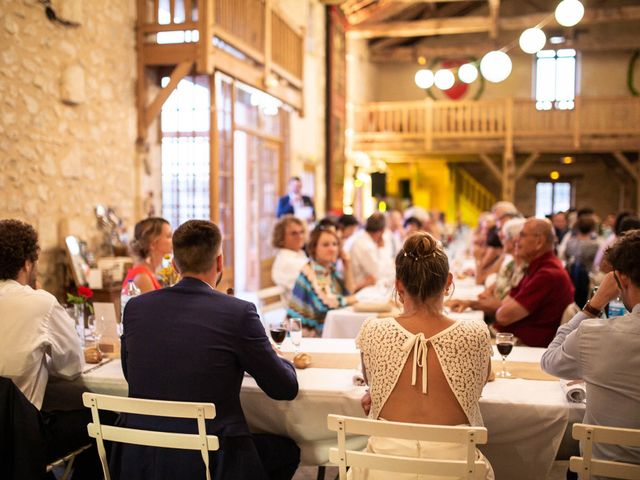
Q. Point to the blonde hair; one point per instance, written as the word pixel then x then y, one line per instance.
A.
pixel 280 229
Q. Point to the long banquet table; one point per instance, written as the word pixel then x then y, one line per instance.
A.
pixel 526 419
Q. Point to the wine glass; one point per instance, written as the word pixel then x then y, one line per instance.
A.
pixel 278 331
pixel 295 332
pixel 504 342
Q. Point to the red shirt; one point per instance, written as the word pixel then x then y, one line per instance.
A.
pixel 545 291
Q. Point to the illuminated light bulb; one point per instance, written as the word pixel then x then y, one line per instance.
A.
pixel 468 73
pixel 424 78
pixel 532 40
pixel 554 175
pixel 444 79
pixel 569 12
pixel 495 66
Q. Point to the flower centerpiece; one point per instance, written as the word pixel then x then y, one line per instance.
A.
pixel 82 298
pixel 168 274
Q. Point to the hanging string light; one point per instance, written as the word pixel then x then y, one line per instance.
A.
pixel 496 66
pixel 532 40
pixel 468 73
pixel 444 79
pixel 424 78
pixel 569 12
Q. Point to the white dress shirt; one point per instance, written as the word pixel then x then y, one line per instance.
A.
pixel 367 258
pixel 286 269
pixel 37 338
pixel 605 353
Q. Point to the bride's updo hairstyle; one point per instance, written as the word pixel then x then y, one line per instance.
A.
pixel 422 267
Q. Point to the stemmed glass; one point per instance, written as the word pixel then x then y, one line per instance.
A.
pixel 278 331
pixel 295 332
pixel 504 342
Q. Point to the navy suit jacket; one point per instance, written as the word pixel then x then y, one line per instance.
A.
pixel 192 343
pixel 285 207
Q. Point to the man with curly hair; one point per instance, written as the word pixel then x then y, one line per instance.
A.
pixel 39 339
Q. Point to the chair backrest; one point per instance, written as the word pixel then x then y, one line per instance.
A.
pixel 586 466
pixel 196 441
pixel 270 299
pixel 465 436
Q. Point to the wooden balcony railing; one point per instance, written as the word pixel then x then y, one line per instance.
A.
pixel 253 28
pixel 446 125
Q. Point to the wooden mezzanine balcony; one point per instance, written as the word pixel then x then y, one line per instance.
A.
pixel 596 124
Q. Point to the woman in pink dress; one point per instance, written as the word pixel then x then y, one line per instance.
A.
pixel 151 242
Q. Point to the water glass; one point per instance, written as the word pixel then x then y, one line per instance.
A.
pixel 295 332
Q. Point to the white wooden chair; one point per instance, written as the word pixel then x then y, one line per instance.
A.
pixel 271 304
pixel 469 436
pixel 586 466
pixel 196 441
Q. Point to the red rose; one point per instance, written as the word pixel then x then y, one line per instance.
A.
pixel 85 292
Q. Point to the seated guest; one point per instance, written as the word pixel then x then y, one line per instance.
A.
pixel 533 309
pixel 490 261
pixel 151 242
pixel 611 239
pixel 288 238
pixel 560 225
pixel 604 353
pixel 348 225
pixel 193 343
pixel 39 339
pixel 510 274
pixel 319 287
pixel 580 253
pixel 394 234
pixel 421 366
pixel 371 256
pixel 411 226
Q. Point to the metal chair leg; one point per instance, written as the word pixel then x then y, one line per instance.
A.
pixel 321 471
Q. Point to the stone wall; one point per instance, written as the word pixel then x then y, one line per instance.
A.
pixel 67 119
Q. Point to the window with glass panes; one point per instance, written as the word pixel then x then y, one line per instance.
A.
pixel 185 151
pixel 556 79
pixel 552 197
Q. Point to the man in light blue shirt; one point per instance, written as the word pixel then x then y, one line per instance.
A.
pixel 605 353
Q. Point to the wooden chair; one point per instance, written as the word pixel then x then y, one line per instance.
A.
pixel 586 466
pixel 196 441
pixel 466 436
pixel 271 304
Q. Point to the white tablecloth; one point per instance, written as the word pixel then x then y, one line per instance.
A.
pixel 345 323
pixel 526 419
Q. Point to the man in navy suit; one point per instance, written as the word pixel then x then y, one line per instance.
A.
pixel 191 342
pixel 295 203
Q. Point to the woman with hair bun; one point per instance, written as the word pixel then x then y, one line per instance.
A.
pixel 151 242
pixel 421 366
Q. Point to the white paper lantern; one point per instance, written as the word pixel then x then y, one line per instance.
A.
pixel 495 66
pixel 444 79
pixel 532 40
pixel 468 73
pixel 424 78
pixel 569 12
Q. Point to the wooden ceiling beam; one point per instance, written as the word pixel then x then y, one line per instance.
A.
pixel 410 54
pixel 477 24
pixel 494 15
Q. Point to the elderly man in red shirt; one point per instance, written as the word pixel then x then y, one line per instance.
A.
pixel 533 309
